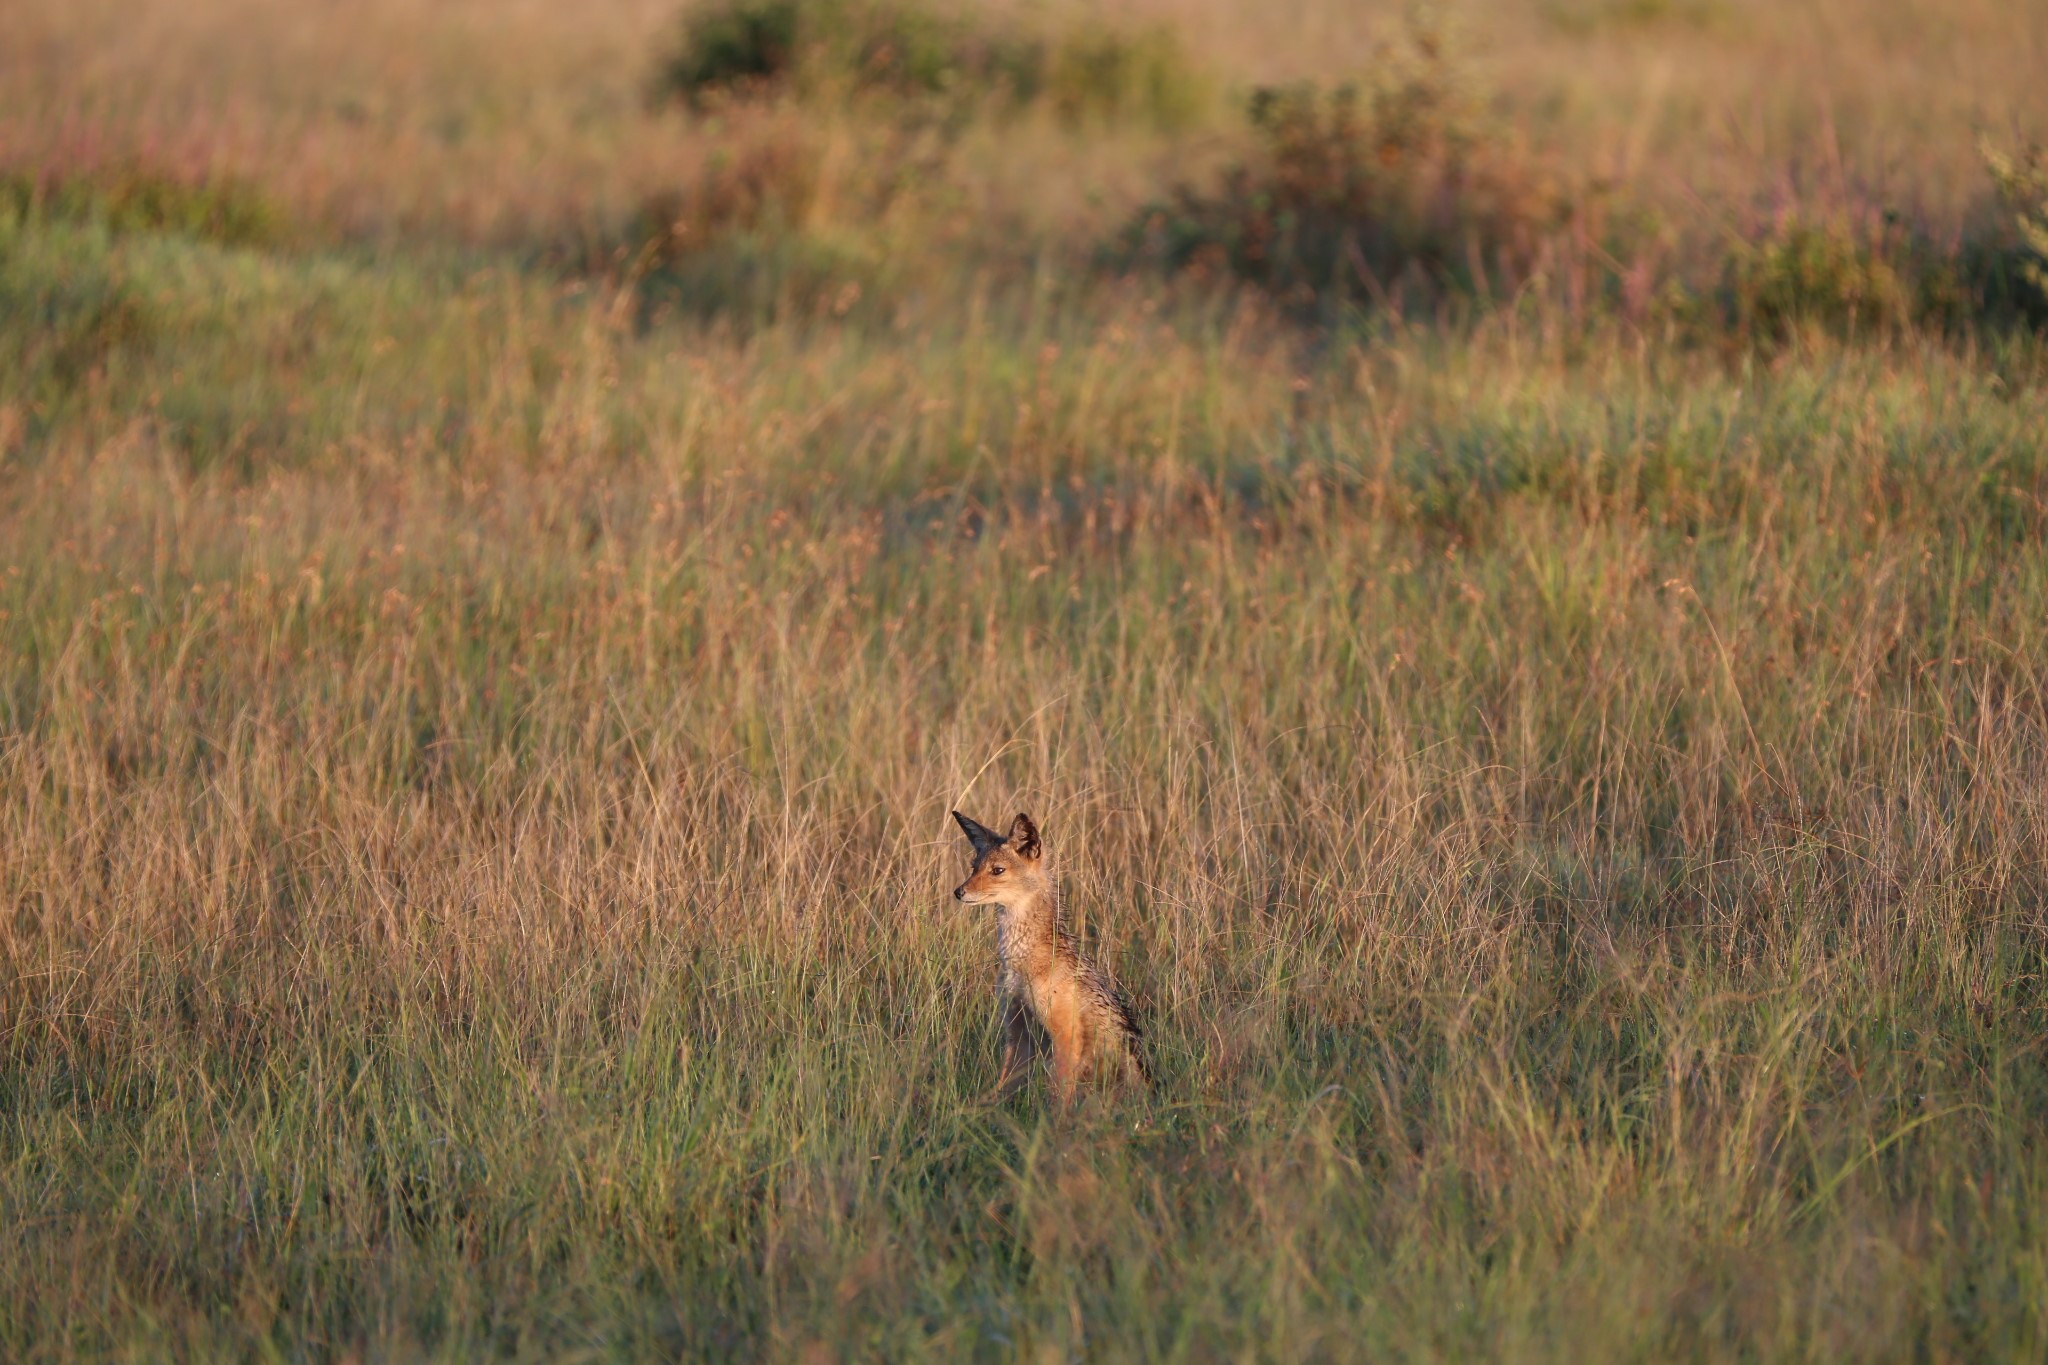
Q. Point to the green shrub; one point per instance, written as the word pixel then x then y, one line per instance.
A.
pixel 733 47
pixel 1848 275
pixel 738 48
pixel 1816 276
pixel 76 312
pixel 742 47
pixel 2023 187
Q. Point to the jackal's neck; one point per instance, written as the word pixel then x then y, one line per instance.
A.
pixel 1029 926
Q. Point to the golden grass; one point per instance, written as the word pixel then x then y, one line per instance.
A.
pixel 492 121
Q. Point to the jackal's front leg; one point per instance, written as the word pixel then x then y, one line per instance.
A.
pixel 1020 1047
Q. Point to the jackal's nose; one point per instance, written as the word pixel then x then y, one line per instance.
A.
pixel 959 893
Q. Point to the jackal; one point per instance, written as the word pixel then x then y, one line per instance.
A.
pixel 1047 986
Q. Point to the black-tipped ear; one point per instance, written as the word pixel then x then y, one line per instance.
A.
pixel 1024 837
pixel 981 836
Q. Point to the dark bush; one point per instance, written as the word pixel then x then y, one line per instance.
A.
pixel 734 47
pixel 739 48
pixel 742 47
pixel 2022 186
pixel 1361 192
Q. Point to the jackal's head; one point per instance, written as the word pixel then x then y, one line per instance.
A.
pixel 1007 867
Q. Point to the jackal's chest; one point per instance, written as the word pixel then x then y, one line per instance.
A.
pixel 1025 949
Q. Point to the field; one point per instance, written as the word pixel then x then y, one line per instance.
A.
pixel 1538 686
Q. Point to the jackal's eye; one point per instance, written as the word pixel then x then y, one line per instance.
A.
pixel 997 871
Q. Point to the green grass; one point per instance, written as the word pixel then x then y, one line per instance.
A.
pixel 476 877
pixel 1567 794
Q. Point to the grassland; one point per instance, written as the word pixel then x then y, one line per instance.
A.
pixel 1563 773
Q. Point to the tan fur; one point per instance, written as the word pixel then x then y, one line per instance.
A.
pixel 1046 984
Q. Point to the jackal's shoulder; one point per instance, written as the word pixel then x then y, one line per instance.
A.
pixel 1110 1002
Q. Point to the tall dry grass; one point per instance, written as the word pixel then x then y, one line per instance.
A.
pixel 506 122
pixel 475 750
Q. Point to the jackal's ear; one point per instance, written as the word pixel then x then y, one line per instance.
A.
pixel 1024 837
pixel 981 836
